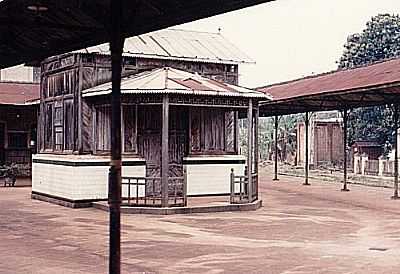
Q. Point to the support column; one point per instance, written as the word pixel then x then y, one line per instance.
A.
pixel 345 118
pixel 114 196
pixel 396 147
pixel 165 151
pixel 256 151
pixel 250 147
pixel 306 164
pixel 276 150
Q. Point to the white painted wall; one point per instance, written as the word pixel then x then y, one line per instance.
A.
pixel 18 73
pixel 206 179
pixel 77 182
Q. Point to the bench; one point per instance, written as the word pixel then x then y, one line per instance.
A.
pixel 8 173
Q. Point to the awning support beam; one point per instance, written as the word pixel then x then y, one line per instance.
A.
pixel 306 148
pixel 345 118
pixel 276 149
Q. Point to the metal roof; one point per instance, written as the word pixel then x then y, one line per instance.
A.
pixel 177 44
pixel 63 26
pixel 19 93
pixel 174 81
pixel 375 84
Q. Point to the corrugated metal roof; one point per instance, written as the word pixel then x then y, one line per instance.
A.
pixel 174 81
pixel 337 81
pixel 18 93
pixel 178 44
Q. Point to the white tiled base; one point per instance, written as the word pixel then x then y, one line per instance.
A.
pixel 206 178
pixel 56 175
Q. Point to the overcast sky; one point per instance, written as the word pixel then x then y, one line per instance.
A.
pixel 289 39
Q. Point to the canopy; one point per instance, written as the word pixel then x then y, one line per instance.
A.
pixel 372 85
pixel 31 30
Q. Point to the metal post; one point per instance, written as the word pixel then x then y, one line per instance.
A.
pixel 276 149
pixel 396 147
pixel 250 148
pixel 114 199
pixel 345 118
pixel 306 165
pixel 164 151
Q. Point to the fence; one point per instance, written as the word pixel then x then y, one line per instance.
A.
pixel 146 191
pixel 372 167
pixel 240 188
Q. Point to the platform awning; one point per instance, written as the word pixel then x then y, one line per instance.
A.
pixel 31 30
pixel 372 85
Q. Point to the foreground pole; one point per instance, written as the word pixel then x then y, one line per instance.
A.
pixel 114 189
pixel 345 118
pixel 306 164
pixel 276 149
pixel 396 152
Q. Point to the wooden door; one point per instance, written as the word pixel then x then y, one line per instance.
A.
pixel 149 139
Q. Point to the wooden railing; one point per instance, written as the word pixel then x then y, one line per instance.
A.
pixel 240 188
pixel 146 191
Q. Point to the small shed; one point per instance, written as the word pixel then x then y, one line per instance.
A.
pixel 180 137
pixel 372 149
pixel 18 109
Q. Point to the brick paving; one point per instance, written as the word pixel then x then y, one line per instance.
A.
pixel 300 229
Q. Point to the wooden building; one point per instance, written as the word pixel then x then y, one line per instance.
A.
pixel 18 111
pixel 74 121
pixel 326 142
pixel 369 148
pixel 179 132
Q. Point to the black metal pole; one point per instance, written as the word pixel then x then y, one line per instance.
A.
pixel 396 157
pixel 276 149
pixel 306 164
pixel 114 199
pixel 345 116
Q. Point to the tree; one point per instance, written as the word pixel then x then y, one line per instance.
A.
pixel 378 41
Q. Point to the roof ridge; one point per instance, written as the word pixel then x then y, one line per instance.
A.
pixel 330 72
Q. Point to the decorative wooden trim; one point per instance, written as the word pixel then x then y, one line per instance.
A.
pixel 81 163
pixel 209 161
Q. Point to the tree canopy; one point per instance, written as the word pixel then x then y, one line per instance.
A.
pixel 378 41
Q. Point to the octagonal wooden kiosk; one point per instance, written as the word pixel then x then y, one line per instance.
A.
pixel 180 138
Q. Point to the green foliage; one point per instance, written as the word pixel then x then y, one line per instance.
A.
pixel 287 140
pixel 378 41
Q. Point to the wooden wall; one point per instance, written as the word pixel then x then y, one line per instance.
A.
pixel 66 119
pixel 326 143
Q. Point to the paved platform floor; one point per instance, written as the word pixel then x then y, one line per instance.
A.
pixel 300 229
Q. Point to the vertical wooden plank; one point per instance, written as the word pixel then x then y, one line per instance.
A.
pixel 79 105
pixel 236 127
pixel 165 150
pixel 250 148
pixel 94 129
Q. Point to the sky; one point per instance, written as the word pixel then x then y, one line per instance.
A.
pixel 289 39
